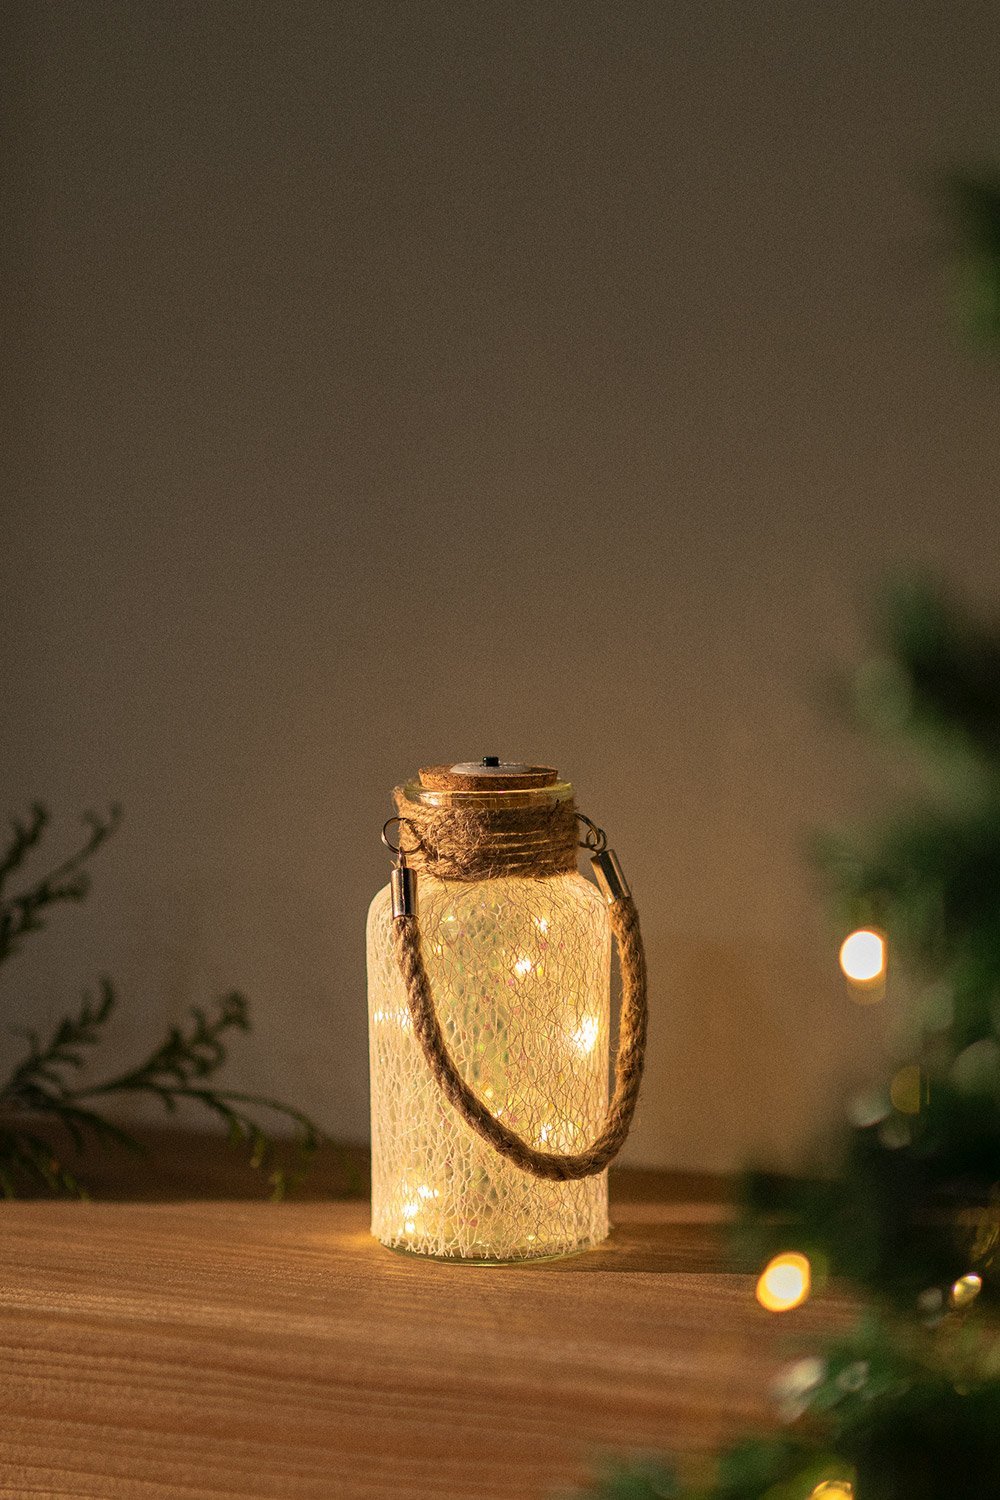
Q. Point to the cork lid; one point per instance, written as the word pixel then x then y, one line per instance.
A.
pixel 491 774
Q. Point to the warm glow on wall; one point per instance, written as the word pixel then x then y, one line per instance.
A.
pixel 784 1282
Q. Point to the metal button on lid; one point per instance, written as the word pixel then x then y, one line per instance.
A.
pixel 483 775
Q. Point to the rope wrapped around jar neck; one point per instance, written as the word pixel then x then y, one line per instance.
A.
pixel 461 840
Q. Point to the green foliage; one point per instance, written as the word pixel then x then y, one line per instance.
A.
pixel 25 913
pixel 640 1478
pixel 909 1408
pixel 974 203
pixel 45 1086
pixel 929 878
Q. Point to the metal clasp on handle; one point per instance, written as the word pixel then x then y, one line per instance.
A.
pixel 610 876
pixel 402 880
pixel 604 861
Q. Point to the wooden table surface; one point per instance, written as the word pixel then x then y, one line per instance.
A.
pixel 208 1348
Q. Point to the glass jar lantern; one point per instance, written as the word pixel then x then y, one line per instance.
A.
pixel 514 948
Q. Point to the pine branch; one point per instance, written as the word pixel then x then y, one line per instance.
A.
pixel 25 837
pixel 27 1161
pixel 181 1068
pixel 22 914
pixel 44 1064
pixel 184 1055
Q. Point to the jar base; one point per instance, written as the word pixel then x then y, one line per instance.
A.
pixel 494 1261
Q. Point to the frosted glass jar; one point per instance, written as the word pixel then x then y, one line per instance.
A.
pixel 520 970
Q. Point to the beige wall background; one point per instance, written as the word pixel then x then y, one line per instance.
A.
pixel 398 383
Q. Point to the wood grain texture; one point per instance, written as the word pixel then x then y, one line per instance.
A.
pixel 209 1349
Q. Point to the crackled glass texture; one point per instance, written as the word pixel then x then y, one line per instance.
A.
pixel 520 973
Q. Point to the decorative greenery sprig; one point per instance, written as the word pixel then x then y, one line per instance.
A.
pixel 22 914
pixel 44 1086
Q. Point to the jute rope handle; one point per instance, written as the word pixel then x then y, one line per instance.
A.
pixel 551 1165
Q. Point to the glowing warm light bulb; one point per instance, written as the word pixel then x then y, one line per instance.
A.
pixel 585 1035
pixel 784 1282
pixel 862 956
pixel 833 1489
pixel 966 1290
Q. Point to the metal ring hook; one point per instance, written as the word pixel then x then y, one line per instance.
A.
pixel 396 849
pixel 596 840
pixel 392 848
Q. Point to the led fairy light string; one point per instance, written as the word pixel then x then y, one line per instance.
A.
pixel 535 840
